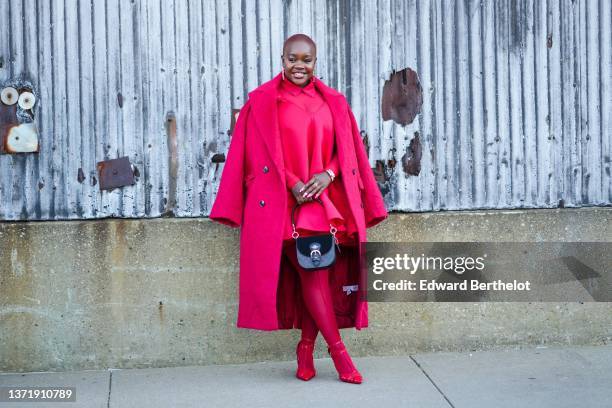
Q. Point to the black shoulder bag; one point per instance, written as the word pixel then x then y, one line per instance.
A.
pixel 316 251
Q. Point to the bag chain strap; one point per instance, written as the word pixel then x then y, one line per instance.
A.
pixel 295 234
pixel 332 230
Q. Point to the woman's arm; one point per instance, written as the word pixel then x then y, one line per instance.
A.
pixel 324 178
pixel 333 165
pixel 291 179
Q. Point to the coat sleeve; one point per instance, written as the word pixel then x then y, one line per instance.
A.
pixel 229 203
pixel 291 179
pixel 333 164
pixel 373 202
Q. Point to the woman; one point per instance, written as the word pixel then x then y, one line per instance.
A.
pixel 296 141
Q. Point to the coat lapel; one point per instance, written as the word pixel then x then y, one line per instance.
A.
pixel 337 106
pixel 265 113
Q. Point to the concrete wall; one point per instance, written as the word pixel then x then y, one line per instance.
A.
pixel 162 292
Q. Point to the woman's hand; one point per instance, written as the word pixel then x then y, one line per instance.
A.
pixel 298 195
pixel 316 185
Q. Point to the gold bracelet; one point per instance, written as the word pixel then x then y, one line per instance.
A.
pixel 331 174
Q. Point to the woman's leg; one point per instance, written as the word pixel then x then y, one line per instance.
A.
pixel 309 327
pixel 305 348
pixel 318 300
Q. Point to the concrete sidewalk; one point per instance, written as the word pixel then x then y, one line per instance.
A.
pixel 532 377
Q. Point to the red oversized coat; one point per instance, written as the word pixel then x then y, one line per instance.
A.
pixel 252 195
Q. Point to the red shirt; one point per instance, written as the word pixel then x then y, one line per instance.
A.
pixel 307 134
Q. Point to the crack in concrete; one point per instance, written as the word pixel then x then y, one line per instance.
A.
pixel 110 386
pixel 432 381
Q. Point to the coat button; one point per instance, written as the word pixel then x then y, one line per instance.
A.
pixel 354 171
pixel 262 203
pixel 265 169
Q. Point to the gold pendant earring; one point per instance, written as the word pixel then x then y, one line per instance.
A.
pixel 283 74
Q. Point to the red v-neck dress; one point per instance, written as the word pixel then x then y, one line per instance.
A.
pixel 307 135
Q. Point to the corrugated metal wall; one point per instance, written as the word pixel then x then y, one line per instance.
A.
pixel 516 109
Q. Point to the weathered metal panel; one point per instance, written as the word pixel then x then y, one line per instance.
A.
pixel 516 112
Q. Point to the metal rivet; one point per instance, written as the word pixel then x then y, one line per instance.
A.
pixel 9 96
pixel 26 100
pixel 262 203
pixel 265 169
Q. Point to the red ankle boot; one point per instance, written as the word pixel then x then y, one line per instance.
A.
pixel 343 363
pixel 305 361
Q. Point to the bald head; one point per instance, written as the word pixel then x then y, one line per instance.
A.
pixel 299 39
pixel 299 59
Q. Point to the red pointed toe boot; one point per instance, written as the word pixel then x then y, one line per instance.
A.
pixel 343 363
pixel 305 360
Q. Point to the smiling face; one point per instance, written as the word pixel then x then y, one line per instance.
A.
pixel 299 58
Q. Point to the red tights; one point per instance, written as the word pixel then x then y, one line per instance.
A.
pixel 319 315
pixel 319 312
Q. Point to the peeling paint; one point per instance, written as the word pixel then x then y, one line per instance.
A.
pixel 218 158
pixel 80 175
pixel 366 141
pixel 234 119
pixel 411 160
pixel 402 97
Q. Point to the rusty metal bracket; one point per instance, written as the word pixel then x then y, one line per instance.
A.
pixel 115 173
pixel 16 137
pixel 18 132
pixel 173 164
